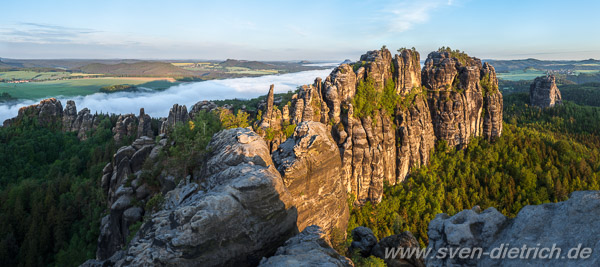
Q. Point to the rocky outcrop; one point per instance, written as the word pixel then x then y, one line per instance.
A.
pixel 271 122
pixel 238 213
pixel 177 114
pixel 363 240
pixel 415 136
pixel 457 86
pixel 404 240
pixel 69 116
pixel 453 98
pixel 49 113
pixel 564 225
pixel 544 93
pixel 310 166
pixel 309 248
pixel 126 192
pixel 407 71
pixel 144 125
pixel 365 243
pixel 126 126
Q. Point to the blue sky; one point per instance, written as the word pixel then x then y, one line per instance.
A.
pixel 291 30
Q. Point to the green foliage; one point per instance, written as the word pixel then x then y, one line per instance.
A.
pixel 288 130
pixel 371 261
pixel 229 121
pixel 487 86
pixel 6 97
pixel 461 56
pixel 50 198
pixel 117 88
pixel 133 229
pixel 367 100
pixel 358 65
pixel 541 157
pixel 189 140
pixel 155 203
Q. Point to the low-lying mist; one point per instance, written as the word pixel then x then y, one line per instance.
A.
pixel 158 103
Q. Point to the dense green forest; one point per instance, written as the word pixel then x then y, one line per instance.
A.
pixel 542 156
pixel 50 199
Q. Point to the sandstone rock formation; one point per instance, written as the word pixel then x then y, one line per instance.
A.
pixel 566 225
pixel 365 242
pixel 453 98
pixel 126 194
pixel 544 93
pixel 404 240
pixel 239 213
pixel 144 125
pixel 310 165
pixel 49 113
pixel 309 248
pixel 126 126
pixel 176 114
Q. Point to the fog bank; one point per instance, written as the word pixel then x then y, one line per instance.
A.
pixel 158 103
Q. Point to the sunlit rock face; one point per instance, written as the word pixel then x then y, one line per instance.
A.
pixel 453 98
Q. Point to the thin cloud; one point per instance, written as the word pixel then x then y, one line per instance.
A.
pixel 406 14
pixel 44 33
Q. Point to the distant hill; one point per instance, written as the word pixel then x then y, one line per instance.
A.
pixel 143 68
pixel 61 63
pixel 5 66
pixel 255 65
pixel 521 64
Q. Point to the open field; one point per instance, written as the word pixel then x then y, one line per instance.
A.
pixel 35 75
pixel 74 87
pixel 517 75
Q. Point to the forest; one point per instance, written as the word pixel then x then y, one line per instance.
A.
pixel 51 201
pixel 542 156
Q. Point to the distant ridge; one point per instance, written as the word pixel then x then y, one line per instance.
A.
pixel 144 68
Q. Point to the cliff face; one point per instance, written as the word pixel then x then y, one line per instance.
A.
pixel 453 98
pixel 310 166
pixel 544 93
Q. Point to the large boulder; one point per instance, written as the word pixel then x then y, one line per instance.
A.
pixel 565 225
pixel 309 248
pixel 309 162
pixel 363 240
pixel 404 241
pixel 239 213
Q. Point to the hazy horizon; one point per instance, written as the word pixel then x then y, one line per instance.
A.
pixel 307 30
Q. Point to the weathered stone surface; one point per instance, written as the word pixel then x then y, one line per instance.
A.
pixel 309 248
pixel 133 214
pixel 69 115
pixel 239 217
pixel 363 240
pixel 310 165
pixel 457 89
pixel 48 113
pixel 127 125
pixel 415 137
pixel 407 71
pixel 404 240
pixel 120 182
pixel 177 114
pixel 565 224
pixel 544 93
pixel 144 125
